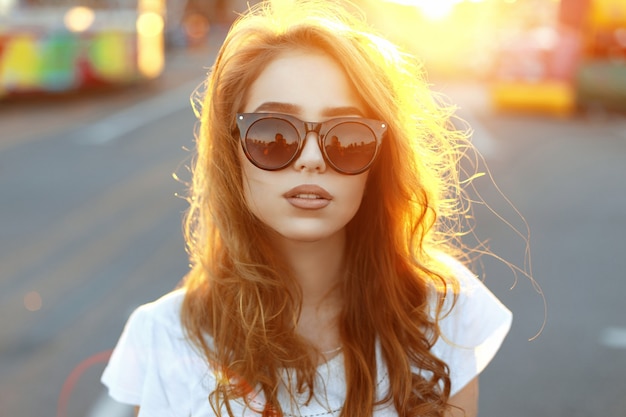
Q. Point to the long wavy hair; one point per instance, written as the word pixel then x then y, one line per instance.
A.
pixel 242 302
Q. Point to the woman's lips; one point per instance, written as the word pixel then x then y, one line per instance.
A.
pixel 308 197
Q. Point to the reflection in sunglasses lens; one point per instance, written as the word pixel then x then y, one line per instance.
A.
pixel 272 143
pixel 350 146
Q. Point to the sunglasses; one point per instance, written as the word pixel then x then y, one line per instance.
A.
pixel 271 141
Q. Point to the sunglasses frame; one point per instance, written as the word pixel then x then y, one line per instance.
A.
pixel 246 120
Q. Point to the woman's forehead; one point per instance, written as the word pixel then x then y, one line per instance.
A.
pixel 306 81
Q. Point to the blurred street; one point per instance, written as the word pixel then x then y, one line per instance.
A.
pixel 90 228
pixel 566 177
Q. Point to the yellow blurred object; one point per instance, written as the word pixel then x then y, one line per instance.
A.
pixel 553 97
pixel 20 66
pixel 150 37
pixel 150 24
pixel 109 55
pixel 157 6
pixel 605 13
pixel 150 44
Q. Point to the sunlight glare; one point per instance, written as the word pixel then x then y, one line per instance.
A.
pixel 433 10
pixel 437 10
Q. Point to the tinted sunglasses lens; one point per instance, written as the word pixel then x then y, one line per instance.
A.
pixel 271 143
pixel 350 147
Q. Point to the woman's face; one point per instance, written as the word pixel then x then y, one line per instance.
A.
pixel 307 201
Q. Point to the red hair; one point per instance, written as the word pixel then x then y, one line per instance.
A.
pixel 243 296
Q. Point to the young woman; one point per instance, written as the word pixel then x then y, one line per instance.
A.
pixel 324 216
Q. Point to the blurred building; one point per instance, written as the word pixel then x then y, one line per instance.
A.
pixel 189 22
pixel 574 62
pixel 56 46
pixel 551 56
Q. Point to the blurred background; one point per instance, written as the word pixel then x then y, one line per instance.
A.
pixel 95 131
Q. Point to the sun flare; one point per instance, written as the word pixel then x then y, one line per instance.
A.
pixel 432 9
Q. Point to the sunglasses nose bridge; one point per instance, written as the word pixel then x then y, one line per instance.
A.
pixel 312 127
pixel 310 154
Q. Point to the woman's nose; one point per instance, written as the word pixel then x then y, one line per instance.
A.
pixel 310 158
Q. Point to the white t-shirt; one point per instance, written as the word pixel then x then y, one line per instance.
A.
pixel 155 367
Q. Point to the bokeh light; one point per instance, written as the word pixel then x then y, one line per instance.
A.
pixel 79 19
pixel 150 24
pixel 33 301
pixel 150 44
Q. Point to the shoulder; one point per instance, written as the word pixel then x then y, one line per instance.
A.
pixel 163 313
pixel 472 327
pixel 153 362
pixel 476 301
pixel 466 290
pixel 158 330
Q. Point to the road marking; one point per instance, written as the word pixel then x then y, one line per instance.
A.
pixel 107 407
pixel 614 337
pixel 113 127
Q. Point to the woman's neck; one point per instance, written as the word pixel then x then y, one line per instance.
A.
pixel 319 268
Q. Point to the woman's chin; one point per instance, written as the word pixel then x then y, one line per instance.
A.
pixel 310 234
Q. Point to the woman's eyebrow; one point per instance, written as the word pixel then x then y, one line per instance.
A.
pixel 342 111
pixel 290 108
pixel 277 107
